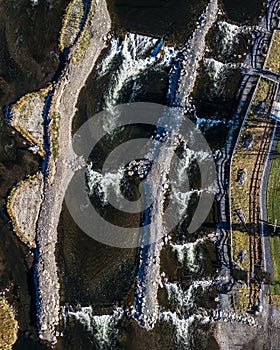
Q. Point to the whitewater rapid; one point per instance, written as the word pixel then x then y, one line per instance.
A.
pixel 135 55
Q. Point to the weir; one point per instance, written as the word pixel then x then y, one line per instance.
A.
pixel 182 80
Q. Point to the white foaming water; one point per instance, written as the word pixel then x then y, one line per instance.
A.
pixel 137 54
pixel 107 61
pixel 187 254
pixel 216 71
pixel 103 328
pixel 183 165
pixel 182 199
pixel 106 185
pixel 183 327
pixel 186 298
pixel 230 35
pixel 84 316
pixel 181 193
pixel 34 2
pixel 204 124
pixel 208 123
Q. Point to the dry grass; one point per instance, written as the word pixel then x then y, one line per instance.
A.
pixel 241 241
pixel 8 326
pixel 241 299
pixel 23 207
pixel 28 117
pixel 273 59
pixel 273 298
pixel 54 128
pixel 84 39
pixel 264 86
pixel 71 24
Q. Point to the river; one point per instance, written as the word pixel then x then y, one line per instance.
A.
pixel 91 273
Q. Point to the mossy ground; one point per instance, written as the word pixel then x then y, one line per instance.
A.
pixel 8 326
pixel 273 59
pixel 71 24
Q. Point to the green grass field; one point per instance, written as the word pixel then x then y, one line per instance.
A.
pixel 273 61
pixel 273 214
pixel 273 195
pixel 247 159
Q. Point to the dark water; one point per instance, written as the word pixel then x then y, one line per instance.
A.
pixel 29 54
pixel 90 272
pixel 15 259
pixel 173 18
pixel 243 12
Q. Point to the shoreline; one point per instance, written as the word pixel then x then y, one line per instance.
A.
pixel 59 170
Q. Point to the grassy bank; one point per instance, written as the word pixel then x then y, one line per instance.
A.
pixel 273 216
pixel 9 326
pixel 244 162
pixel 273 196
pixel 273 59
pixel 275 252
